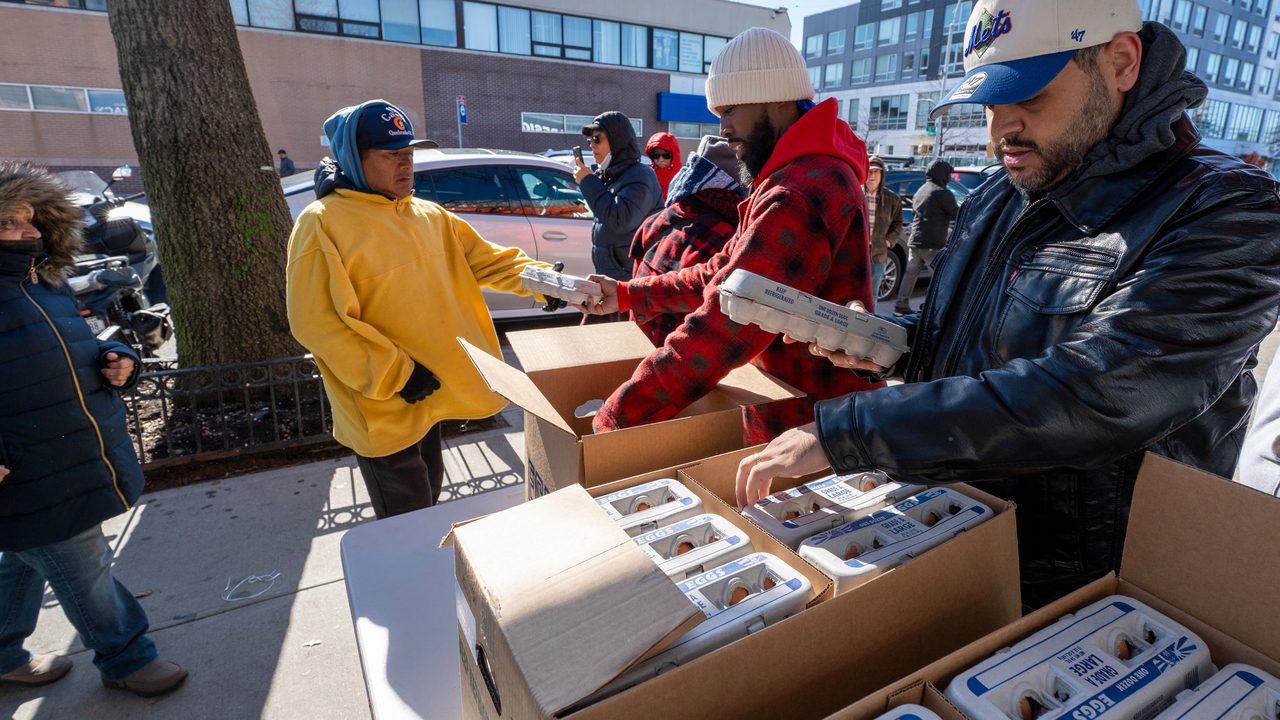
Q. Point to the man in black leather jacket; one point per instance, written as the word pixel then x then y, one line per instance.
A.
pixel 1103 297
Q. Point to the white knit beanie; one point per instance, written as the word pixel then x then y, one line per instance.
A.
pixel 758 66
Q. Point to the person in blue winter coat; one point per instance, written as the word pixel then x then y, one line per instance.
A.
pixel 66 460
pixel 621 194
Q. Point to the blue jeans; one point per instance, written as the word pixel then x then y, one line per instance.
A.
pixel 877 277
pixel 110 621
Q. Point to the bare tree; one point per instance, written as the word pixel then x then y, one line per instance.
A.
pixel 216 202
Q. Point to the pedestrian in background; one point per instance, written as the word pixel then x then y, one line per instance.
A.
pixel 933 209
pixel 286 163
pixel 621 193
pixel 700 217
pixel 379 285
pixel 664 152
pixel 884 220
pixel 66 459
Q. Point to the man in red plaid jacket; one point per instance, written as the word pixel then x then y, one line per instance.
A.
pixel 803 225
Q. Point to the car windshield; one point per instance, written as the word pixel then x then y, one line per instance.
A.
pixel 85 181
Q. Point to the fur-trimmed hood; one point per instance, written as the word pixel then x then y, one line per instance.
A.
pixel 56 217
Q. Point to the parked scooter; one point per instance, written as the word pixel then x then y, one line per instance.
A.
pixel 118 282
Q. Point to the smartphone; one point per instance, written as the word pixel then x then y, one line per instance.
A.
pixel 577 153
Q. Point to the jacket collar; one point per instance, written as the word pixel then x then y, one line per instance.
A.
pixel 14 267
pixel 818 132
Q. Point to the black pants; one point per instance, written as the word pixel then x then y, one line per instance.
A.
pixel 407 480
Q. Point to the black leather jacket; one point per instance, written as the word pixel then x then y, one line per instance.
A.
pixel 1062 339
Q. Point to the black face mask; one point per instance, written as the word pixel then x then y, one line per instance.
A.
pixel 34 248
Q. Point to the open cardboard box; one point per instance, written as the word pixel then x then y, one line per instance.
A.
pixel 807 666
pixel 1201 549
pixel 567 367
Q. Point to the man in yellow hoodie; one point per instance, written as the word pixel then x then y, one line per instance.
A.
pixel 379 285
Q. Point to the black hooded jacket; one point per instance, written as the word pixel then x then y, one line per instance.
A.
pixel 1065 336
pixel 934 209
pixel 620 196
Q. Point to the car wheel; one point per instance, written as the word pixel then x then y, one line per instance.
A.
pixel 892 276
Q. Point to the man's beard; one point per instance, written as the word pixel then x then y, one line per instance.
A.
pixel 1090 126
pixel 757 147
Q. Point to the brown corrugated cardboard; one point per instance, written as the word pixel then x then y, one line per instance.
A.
pixel 567 367
pixel 1201 549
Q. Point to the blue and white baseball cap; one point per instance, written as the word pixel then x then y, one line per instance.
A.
pixel 1013 48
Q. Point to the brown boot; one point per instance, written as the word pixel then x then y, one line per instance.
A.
pixel 39 670
pixel 157 678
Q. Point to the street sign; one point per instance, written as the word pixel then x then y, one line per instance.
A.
pixel 462 109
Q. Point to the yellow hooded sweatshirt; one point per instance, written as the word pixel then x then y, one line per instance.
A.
pixel 374 285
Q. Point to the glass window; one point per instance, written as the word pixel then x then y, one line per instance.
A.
pixel 926 28
pixel 608 46
pixel 864 36
pixel 861 71
pixel 56 98
pixel 1246 122
pixel 240 11
pixel 478 189
pixel 1229 70
pixel 1265 76
pixel 400 21
pixel 577 38
pixel 1255 38
pixel 956 17
pixel 276 14
pixel 711 48
pixel 1211 67
pixel 1198 19
pixel 1273 44
pixel 1271 128
pixel 1246 76
pixel 1211 118
pixel 815 76
pixel 546 28
pixel 889 112
pixel 890 31
pixel 439 22
pixel 835 42
pixel 1238 31
pixel 924 105
pixel 908 64
pixel 317 25
pixel 690 52
pixel 550 193
pixel 853 113
pixel 513 31
pixel 1181 14
pixel 107 101
pixel 1193 59
pixel 14 97
pixel 924 61
pixel 886 68
pixel 953 59
pixel 635 46
pixel 323 8
pixel 480 26
pixel 833 75
pixel 813 46
pixel 890 4
pixel 362 10
pixel 913 26
pixel 665 44
pixel 1220 28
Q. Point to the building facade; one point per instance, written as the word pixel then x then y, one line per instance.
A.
pixel 888 62
pixel 530 75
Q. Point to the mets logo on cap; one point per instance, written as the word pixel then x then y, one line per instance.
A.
pixel 986 30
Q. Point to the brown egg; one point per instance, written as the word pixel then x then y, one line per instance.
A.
pixel 815 507
pixel 1151 639
pixel 852 551
pixel 1124 649
pixel 1030 708
pixel 953 508
pixel 738 595
pixel 769 583
pixel 868 485
pixel 791 515
pixel 931 518
pixel 877 544
pixel 641 507
pixel 684 547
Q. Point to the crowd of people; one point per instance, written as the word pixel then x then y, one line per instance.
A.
pixel 1103 296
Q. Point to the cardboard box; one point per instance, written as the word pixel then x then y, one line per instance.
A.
pixel 1201 549
pixel 566 367
pixel 845 647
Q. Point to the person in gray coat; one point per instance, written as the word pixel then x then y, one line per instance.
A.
pixel 935 208
pixel 621 194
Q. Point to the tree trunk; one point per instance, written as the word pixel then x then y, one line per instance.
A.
pixel 220 217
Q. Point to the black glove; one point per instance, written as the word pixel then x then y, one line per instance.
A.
pixel 421 383
pixel 554 304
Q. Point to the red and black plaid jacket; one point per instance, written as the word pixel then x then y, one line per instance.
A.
pixel 688 232
pixel 804 225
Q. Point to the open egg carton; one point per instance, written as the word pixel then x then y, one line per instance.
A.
pixel 748 298
pixel 799 513
pixel 693 545
pixel 910 712
pixel 649 506
pixel 1116 659
pixel 870 545
pixel 569 288
pixel 1237 692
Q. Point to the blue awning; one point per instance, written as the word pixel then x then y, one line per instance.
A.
pixel 677 107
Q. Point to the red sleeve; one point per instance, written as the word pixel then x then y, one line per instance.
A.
pixel 624 297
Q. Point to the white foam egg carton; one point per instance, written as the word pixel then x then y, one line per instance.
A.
pixel 1237 692
pixel 799 513
pixel 649 506
pixel 1116 659
pixel 691 546
pixel 857 551
pixel 910 712
pixel 738 598
pixel 569 288
pixel 748 298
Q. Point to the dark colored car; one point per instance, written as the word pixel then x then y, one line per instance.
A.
pixel 906 183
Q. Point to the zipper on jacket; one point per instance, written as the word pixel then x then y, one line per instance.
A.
pixel 31 273
pixel 102 446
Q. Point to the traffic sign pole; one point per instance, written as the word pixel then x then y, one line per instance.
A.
pixel 462 116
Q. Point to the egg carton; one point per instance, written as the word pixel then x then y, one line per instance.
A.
pixel 802 512
pixel 1237 692
pixel 569 288
pixel 1116 659
pixel 649 506
pixel 910 712
pixel 855 552
pixel 748 298
pixel 738 598
pixel 689 547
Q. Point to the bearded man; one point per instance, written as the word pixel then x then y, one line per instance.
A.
pixel 803 225
pixel 1103 297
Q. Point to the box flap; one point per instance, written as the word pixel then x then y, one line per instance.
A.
pixel 578 345
pixel 1208 546
pixel 514 385
pixel 749 385
pixel 576 600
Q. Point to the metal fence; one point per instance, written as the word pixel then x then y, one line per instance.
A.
pixel 180 415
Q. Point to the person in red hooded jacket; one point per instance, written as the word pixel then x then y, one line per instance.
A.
pixel 664 152
pixel 803 225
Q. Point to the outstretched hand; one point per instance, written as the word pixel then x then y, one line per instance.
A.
pixel 841 359
pixel 794 453
pixel 608 302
